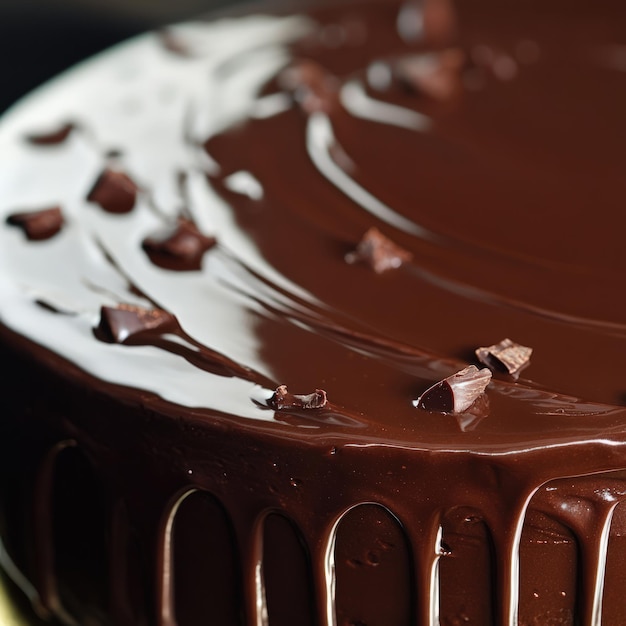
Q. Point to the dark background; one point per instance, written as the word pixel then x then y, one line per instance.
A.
pixel 41 38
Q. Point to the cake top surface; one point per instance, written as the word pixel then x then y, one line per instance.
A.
pixel 353 198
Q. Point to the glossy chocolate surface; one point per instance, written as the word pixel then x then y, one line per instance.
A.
pixel 485 142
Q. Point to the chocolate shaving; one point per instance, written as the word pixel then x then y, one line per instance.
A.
pixel 38 225
pixel 127 323
pixel 379 252
pixel 114 191
pixel 313 87
pixel 437 75
pixel 179 248
pixel 506 356
pixel 457 393
pixel 282 399
pixel 54 137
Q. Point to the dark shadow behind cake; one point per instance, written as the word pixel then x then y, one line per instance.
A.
pixel 247 267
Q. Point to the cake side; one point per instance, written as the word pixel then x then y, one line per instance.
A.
pixel 164 507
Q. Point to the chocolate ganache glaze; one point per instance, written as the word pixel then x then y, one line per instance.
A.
pixel 274 231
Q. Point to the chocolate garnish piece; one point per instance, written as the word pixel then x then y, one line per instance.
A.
pixel 179 248
pixel 127 323
pixel 53 137
pixel 437 75
pixel 506 356
pixel 456 393
pixel 114 191
pixel 379 252
pixel 282 399
pixel 313 87
pixel 38 225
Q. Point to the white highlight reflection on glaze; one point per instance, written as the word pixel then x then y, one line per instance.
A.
pixel 319 140
pixel 245 183
pixel 137 98
pixel 356 101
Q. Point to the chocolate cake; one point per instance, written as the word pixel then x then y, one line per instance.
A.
pixel 315 317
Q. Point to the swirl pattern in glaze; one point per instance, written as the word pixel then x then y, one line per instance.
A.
pixel 486 142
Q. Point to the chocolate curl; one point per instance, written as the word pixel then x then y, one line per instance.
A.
pixel 379 252
pixel 506 356
pixel 126 322
pixel 457 393
pixel 38 225
pixel 114 191
pixel 282 399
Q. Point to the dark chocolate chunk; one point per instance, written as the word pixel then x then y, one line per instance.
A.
pixel 456 393
pixel 506 356
pixel 114 191
pixel 53 137
pixel 282 399
pixel 313 87
pixel 180 247
pixel 379 252
pixel 127 323
pixel 38 225
pixel 437 75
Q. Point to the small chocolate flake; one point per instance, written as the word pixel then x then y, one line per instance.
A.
pixel 180 247
pixel 437 75
pixel 54 137
pixel 126 323
pixel 313 87
pixel 506 356
pixel 379 252
pixel 114 191
pixel 282 399
pixel 456 393
pixel 38 225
